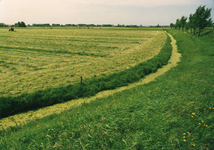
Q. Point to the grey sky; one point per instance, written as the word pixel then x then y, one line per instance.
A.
pixel 145 12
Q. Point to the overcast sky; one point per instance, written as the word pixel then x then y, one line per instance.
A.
pixel 135 12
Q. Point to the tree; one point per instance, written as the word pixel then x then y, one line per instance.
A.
pixel 158 25
pixel 194 23
pixel 172 25
pixel 178 24
pixel 183 22
pixel 202 18
pixel 3 25
pixel 187 27
pixel 22 24
pixel 191 22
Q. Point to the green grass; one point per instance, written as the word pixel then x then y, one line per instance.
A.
pixel 163 114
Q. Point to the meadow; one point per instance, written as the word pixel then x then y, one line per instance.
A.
pixel 37 83
pixel 36 59
pixel 175 111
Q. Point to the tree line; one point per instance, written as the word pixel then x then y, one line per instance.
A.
pixel 20 24
pixel 199 20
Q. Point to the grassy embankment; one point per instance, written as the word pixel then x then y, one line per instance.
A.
pixel 46 97
pixel 173 112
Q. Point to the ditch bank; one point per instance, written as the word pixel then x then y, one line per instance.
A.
pixel 23 118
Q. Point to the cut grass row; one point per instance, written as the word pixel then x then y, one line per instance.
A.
pixel 37 59
pixel 90 87
pixel 173 112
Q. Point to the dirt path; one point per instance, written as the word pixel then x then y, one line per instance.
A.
pixel 23 118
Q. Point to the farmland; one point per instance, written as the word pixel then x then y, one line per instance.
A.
pixel 36 59
pixel 175 111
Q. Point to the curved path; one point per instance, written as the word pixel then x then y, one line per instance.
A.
pixel 29 116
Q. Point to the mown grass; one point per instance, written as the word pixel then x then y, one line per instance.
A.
pixel 176 111
pixel 36 59
pixel 90 87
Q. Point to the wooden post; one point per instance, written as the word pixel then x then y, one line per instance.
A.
pixel 81 80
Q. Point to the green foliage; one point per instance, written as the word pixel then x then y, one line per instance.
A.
pixel 3 25
pixel 178 24
pixel 172 25
pixel 187 26
pixel 191 22
pixel 202 17
pixel 52 96
pixel 20 24
pixel 183 22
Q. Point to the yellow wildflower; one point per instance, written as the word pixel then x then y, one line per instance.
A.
pixel 193 144
pixel 204 108
pixel 193 113
pixel 184 133
pixel 183 136
pixel 185 140
pixel 199 123
pixel 210 107
pixel 192 116
pixel 206 125
pixel 192 139
pixel 202 121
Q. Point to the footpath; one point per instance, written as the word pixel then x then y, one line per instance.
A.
pixel 32 116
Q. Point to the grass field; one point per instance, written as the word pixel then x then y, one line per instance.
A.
pixel 176 111
pixel 35 59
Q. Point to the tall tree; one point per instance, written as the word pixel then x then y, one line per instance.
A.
pixel 187 27
pixel 172 25
pixel 178 24
pixel 203 18
pixel 191 22
pixel 22 24
pixel 194 23
pixel 183 22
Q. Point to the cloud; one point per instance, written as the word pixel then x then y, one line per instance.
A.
pixel 141 3
pixel 95 11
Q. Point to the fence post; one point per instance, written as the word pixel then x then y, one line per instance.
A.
pixel 81 80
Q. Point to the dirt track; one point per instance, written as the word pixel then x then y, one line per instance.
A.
pixel 23 118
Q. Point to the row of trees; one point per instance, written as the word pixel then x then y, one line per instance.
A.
pixel 3 25
pixel 199 20
pixel 20 24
